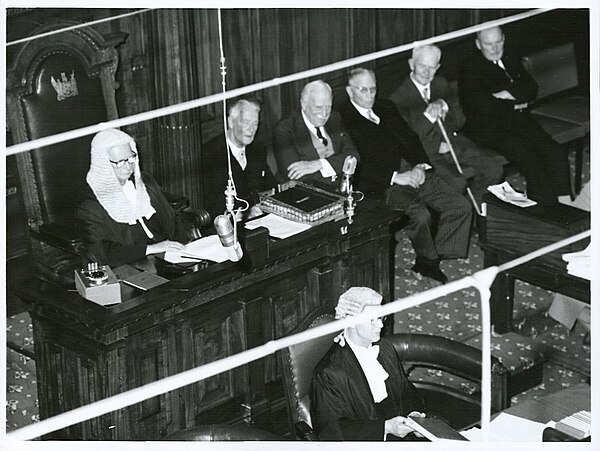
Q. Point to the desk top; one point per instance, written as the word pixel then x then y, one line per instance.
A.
pixel 554 406
pixel 320 243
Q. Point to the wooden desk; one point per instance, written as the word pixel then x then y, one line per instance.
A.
pixel 512 232
pixel 86 352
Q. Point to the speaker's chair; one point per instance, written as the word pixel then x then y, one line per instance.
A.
pixel 458 360
pixel 61 82
pixel 58 83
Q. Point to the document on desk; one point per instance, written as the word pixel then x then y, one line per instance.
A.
pixel 510 428
pixel 506 193
pixel 278 227
pixel 206 248
pixel 580 263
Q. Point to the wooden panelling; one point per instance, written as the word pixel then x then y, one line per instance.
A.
pixel 85 352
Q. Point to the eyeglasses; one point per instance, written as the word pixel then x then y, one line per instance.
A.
pixel 131 160
pixel 382 318
pixel 364 89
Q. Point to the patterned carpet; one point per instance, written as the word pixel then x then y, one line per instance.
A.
pixel 456 316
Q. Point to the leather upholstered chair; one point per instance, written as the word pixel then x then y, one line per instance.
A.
pixel 223 432
pixel 457 360
pixel 62 82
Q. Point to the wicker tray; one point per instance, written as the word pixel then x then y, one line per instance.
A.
pixel 304 203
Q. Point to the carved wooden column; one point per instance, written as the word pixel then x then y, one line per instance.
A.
pixel 177 137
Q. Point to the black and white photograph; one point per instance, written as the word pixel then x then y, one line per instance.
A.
pixel 299 225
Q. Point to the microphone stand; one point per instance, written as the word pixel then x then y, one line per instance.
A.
pixel 350 207
pixel 458 167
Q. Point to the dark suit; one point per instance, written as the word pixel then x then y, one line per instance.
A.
pixel 494 123
pixel 293 142
pixel 341 403
pixel 249 182
pixel 439 218
pixel 486 164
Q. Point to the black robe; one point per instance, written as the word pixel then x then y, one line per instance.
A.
pixel 342 406
pixel 113 243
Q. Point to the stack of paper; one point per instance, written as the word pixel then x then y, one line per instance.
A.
pixel 207 248
pixel 580 263
pixel 509 428
pixel 578 425
pixel 278 227
pixel 506 193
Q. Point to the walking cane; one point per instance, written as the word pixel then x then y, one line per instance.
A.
pixel 443 130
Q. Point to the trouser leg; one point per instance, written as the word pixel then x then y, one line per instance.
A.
pixel 419 224
pixel 454 215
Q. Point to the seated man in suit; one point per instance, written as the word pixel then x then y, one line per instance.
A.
pixel 359 390
pixel 422 99
pixel 311 145
pixel 395 167
pixel 494 91
pixel 249 168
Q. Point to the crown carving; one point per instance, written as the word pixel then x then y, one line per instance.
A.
pixel 64 87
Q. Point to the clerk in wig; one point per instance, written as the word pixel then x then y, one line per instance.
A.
pixel 359 390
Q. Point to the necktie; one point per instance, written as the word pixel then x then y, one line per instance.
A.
pixel 243 161
pixel 321 137
pixel 426 95
pixel 373 118
pixel 500 64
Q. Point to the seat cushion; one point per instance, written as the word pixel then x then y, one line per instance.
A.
pixel 521 356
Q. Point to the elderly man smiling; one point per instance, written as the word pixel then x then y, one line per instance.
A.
pixel 312 144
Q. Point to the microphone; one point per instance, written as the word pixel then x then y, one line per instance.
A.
pixel 347 173
pixel 230 195
pixel 225 231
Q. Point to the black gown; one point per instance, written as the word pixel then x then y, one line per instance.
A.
pixel 342 406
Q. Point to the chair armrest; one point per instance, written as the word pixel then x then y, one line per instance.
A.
pixel 61 236
pixel 305 432
pixel 454 357
pixel 198 218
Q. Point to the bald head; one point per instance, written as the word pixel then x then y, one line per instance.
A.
pixel 490 43
pixel 316 100
pixel 424 63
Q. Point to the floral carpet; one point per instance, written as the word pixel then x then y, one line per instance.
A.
pixel 455 316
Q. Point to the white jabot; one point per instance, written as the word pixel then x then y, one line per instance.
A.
pixel 239 153
pixel 500 63
pixel 131 195
pixel 374 372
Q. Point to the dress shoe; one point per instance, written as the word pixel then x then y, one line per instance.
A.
pixel 430 268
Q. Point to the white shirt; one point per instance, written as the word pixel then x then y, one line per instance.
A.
pixel 367 113
pixel 326 168
pixel 374 372
pixel 500 63
pixel 422 89
pixel 239 153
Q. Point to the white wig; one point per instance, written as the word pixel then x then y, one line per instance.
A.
pixel 104 183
